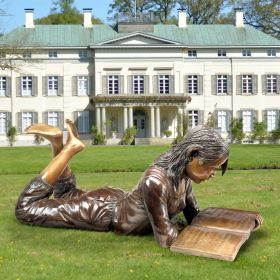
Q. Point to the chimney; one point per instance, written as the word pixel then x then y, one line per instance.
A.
pixel 29 21
pixel 239 21
pixel 182 18
pixel 87 17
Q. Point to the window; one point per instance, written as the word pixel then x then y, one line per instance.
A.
pixel 192 53
pixel 52 86
pixel 247 119
pixel 272 120
pixel 271 52
pixel 222 121
pixel 2 55
pixel 271 83
pixel 27 119
pixel 83 121
pixel 138 84
pixel 247 84
pixel 163 84
pixel 83 54
pixel 192 84
pixel 222 53
pixel 3 86
pixel 53 119
pixel 82 85
pixel 26 54
pixel 52 54
pixel 193 118
pixel 3 122
pixel 246 52
pixel 222 84
pixel 26 86
pixel 113 84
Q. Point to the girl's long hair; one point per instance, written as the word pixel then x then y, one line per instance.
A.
pixel 202 142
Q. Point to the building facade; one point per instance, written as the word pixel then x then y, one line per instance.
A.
pixel 139 74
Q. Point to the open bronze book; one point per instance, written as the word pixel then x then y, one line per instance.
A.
pixel 216 233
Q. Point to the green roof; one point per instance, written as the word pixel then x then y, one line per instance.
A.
pixel 192 35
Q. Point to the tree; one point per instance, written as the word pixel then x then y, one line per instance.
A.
pixel 259 131
pixel 163 9
pixel 262 14
pixel 11 135
pixel 237 133
pixel 204 11
pixel 63 12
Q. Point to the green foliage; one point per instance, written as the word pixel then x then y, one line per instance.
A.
pixel 167 133
pixel 259 131
pixel 274 135
pixel 129 135
pixel 211 120
pixel 11 135
pixel 63 12
pixel 237 133
pixel 182 127
pixel 98 137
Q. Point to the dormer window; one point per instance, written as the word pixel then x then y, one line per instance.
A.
pixel 83 54
pixel 271 52
pixel 26 55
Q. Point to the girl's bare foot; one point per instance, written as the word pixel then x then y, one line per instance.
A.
pixel 73 142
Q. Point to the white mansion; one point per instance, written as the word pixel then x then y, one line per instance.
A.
pixel 140 74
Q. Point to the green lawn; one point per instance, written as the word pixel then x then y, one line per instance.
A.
pixel 28 252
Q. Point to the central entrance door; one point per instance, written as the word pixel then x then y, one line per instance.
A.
pixel 139 121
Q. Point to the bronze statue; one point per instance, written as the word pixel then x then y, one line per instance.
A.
pixel 164 190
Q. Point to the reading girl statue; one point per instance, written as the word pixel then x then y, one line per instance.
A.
pixel 164 190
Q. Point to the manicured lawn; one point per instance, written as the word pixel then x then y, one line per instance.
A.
pixel 28 252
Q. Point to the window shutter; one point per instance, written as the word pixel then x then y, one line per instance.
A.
pixel 255 116
pixel 45 117
pixel 34 117
pixel 74 85
pixel 146 84
pixel 277 118
pixel 34 86
pixel 18 85
pixel 214 84
pixel 8 86
pixel 75 118
pixel 61 120
pixel 216 119
pixel 255 84
pixel 229 120
pixel 45 85
pixel 121 84
pixel 238 84
pixel 171 84
pixel 105 85
pixel 200 117
pixel 130 84
pixel 19 122
pixel 9 121
pixel 90 85
pixel 60 86
pixel 186 87
pixel 91 120
pixel 278 84
pixel 264 116
pixel 229 84
pixel 155 85
pixel 200 84
pixel 264 84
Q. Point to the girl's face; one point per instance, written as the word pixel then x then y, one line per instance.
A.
pixel 198 171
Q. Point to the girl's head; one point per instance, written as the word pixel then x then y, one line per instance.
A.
pixel 198 154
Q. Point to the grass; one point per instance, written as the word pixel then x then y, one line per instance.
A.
pixel 29 252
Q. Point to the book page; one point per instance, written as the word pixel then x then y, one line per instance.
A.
pixel 199 241
pixel 232 220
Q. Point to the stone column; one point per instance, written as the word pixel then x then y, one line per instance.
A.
pixel 130 113
pixel 124 118
pixel 103 111
pixel 152 122
pixel 157 121
pixel 98 123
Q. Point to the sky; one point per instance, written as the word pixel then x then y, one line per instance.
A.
pixel 16 14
